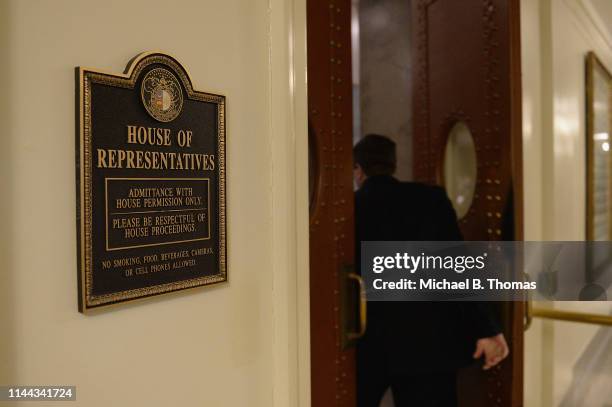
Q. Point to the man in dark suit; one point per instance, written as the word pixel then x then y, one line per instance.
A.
pixel 415 348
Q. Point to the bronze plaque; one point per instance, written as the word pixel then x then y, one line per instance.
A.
pixel 150 164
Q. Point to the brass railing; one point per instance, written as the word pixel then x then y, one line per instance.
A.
pixel 572 316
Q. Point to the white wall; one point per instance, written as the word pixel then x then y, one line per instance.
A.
pixel 244 343
pixel 556 36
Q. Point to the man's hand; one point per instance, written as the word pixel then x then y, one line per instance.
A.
pixel 494 349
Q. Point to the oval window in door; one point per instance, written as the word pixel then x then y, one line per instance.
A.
pixel 460 168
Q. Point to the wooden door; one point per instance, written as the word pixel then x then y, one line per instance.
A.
pixel 467 68
pixel 331 219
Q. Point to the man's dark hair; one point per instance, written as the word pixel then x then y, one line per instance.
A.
pixel 375 154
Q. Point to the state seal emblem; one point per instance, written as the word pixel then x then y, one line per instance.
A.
pixel 161 95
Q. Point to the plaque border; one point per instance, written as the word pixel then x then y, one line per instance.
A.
pixel 84 170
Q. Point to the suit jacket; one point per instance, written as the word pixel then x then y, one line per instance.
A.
pixel 405 337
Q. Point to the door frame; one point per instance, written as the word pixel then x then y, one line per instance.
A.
pixel 289 243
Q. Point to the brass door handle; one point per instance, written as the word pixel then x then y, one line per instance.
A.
pixel 528 314
pixel 363 308
pixel 528 308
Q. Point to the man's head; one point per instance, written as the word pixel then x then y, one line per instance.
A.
pixel 373 155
